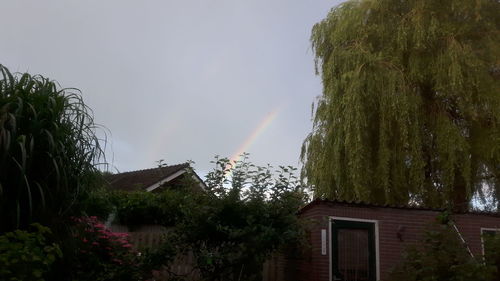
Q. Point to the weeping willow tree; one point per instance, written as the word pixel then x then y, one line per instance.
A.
pixel 410 110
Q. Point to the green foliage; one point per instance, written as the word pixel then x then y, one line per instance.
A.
pixel 27 256
pixel 492 252
pixel 245 216
pixel 441 256
pixel 155 258
pixel 97 202
pixel 141 207
pixel 410 111
pixel 48 150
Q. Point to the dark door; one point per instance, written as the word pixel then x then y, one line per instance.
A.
pixel 353 251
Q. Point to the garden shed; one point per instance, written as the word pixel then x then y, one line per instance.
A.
pixel 361 241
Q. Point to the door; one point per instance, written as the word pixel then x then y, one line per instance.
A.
pixel 353 251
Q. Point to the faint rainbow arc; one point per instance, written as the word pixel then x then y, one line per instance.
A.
pixel 258 130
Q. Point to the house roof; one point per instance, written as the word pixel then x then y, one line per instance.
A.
pixel 320 201
pixel 142 179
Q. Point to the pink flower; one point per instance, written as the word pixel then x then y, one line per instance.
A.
pixel 75 219
pixel 95 243
pixel 84 240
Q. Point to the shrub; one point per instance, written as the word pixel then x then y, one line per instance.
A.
pixel 492 252
pixel 27 255
pixel 141 207
pixel 97 202
pixel 245 216
pixel 155 258
pixel 441 256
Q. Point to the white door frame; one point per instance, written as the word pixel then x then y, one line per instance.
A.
pixel 377 249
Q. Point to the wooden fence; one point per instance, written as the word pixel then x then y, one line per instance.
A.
pixel 148 236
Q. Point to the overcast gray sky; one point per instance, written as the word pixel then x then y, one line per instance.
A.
pixel 177 80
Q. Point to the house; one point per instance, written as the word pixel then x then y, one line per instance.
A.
pixel 367 240
pixel 152 180
pixel 155 179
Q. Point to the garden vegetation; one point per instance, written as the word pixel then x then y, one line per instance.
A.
pixel 441 255
pixel 246 214
pixel 54 200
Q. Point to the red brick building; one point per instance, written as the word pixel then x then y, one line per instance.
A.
pixel 365 241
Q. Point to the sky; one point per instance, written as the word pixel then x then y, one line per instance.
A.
pixel 177 80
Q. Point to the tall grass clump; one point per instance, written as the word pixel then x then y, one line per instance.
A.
pixel 49 151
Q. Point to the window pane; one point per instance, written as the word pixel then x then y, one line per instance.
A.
pixel 353 254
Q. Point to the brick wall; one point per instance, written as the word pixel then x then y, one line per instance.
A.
pixel 410 223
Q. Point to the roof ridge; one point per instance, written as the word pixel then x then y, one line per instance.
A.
pixel 150 169
pixel 140 179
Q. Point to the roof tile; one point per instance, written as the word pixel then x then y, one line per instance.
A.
pixel 142 179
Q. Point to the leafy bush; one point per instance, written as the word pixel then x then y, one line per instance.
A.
pixel 97 202
pixel 245 216
pixel 441 256
pixel 492 252
pixel 48 151
pixel 141 207
pixel 27 255
pixel 155 258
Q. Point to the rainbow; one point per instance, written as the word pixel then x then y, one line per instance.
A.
pixel 262 125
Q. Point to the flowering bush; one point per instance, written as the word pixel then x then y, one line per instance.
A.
pixel 102 254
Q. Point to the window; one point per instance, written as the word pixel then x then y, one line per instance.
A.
pixel 353 250
pixel 491 244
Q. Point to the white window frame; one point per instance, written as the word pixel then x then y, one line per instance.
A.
pixel 377 249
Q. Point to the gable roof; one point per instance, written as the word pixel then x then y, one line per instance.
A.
pixel 147 179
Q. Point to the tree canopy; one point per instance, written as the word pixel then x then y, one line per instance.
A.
pixel 410 110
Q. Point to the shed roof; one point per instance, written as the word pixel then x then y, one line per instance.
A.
pixel 320 201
